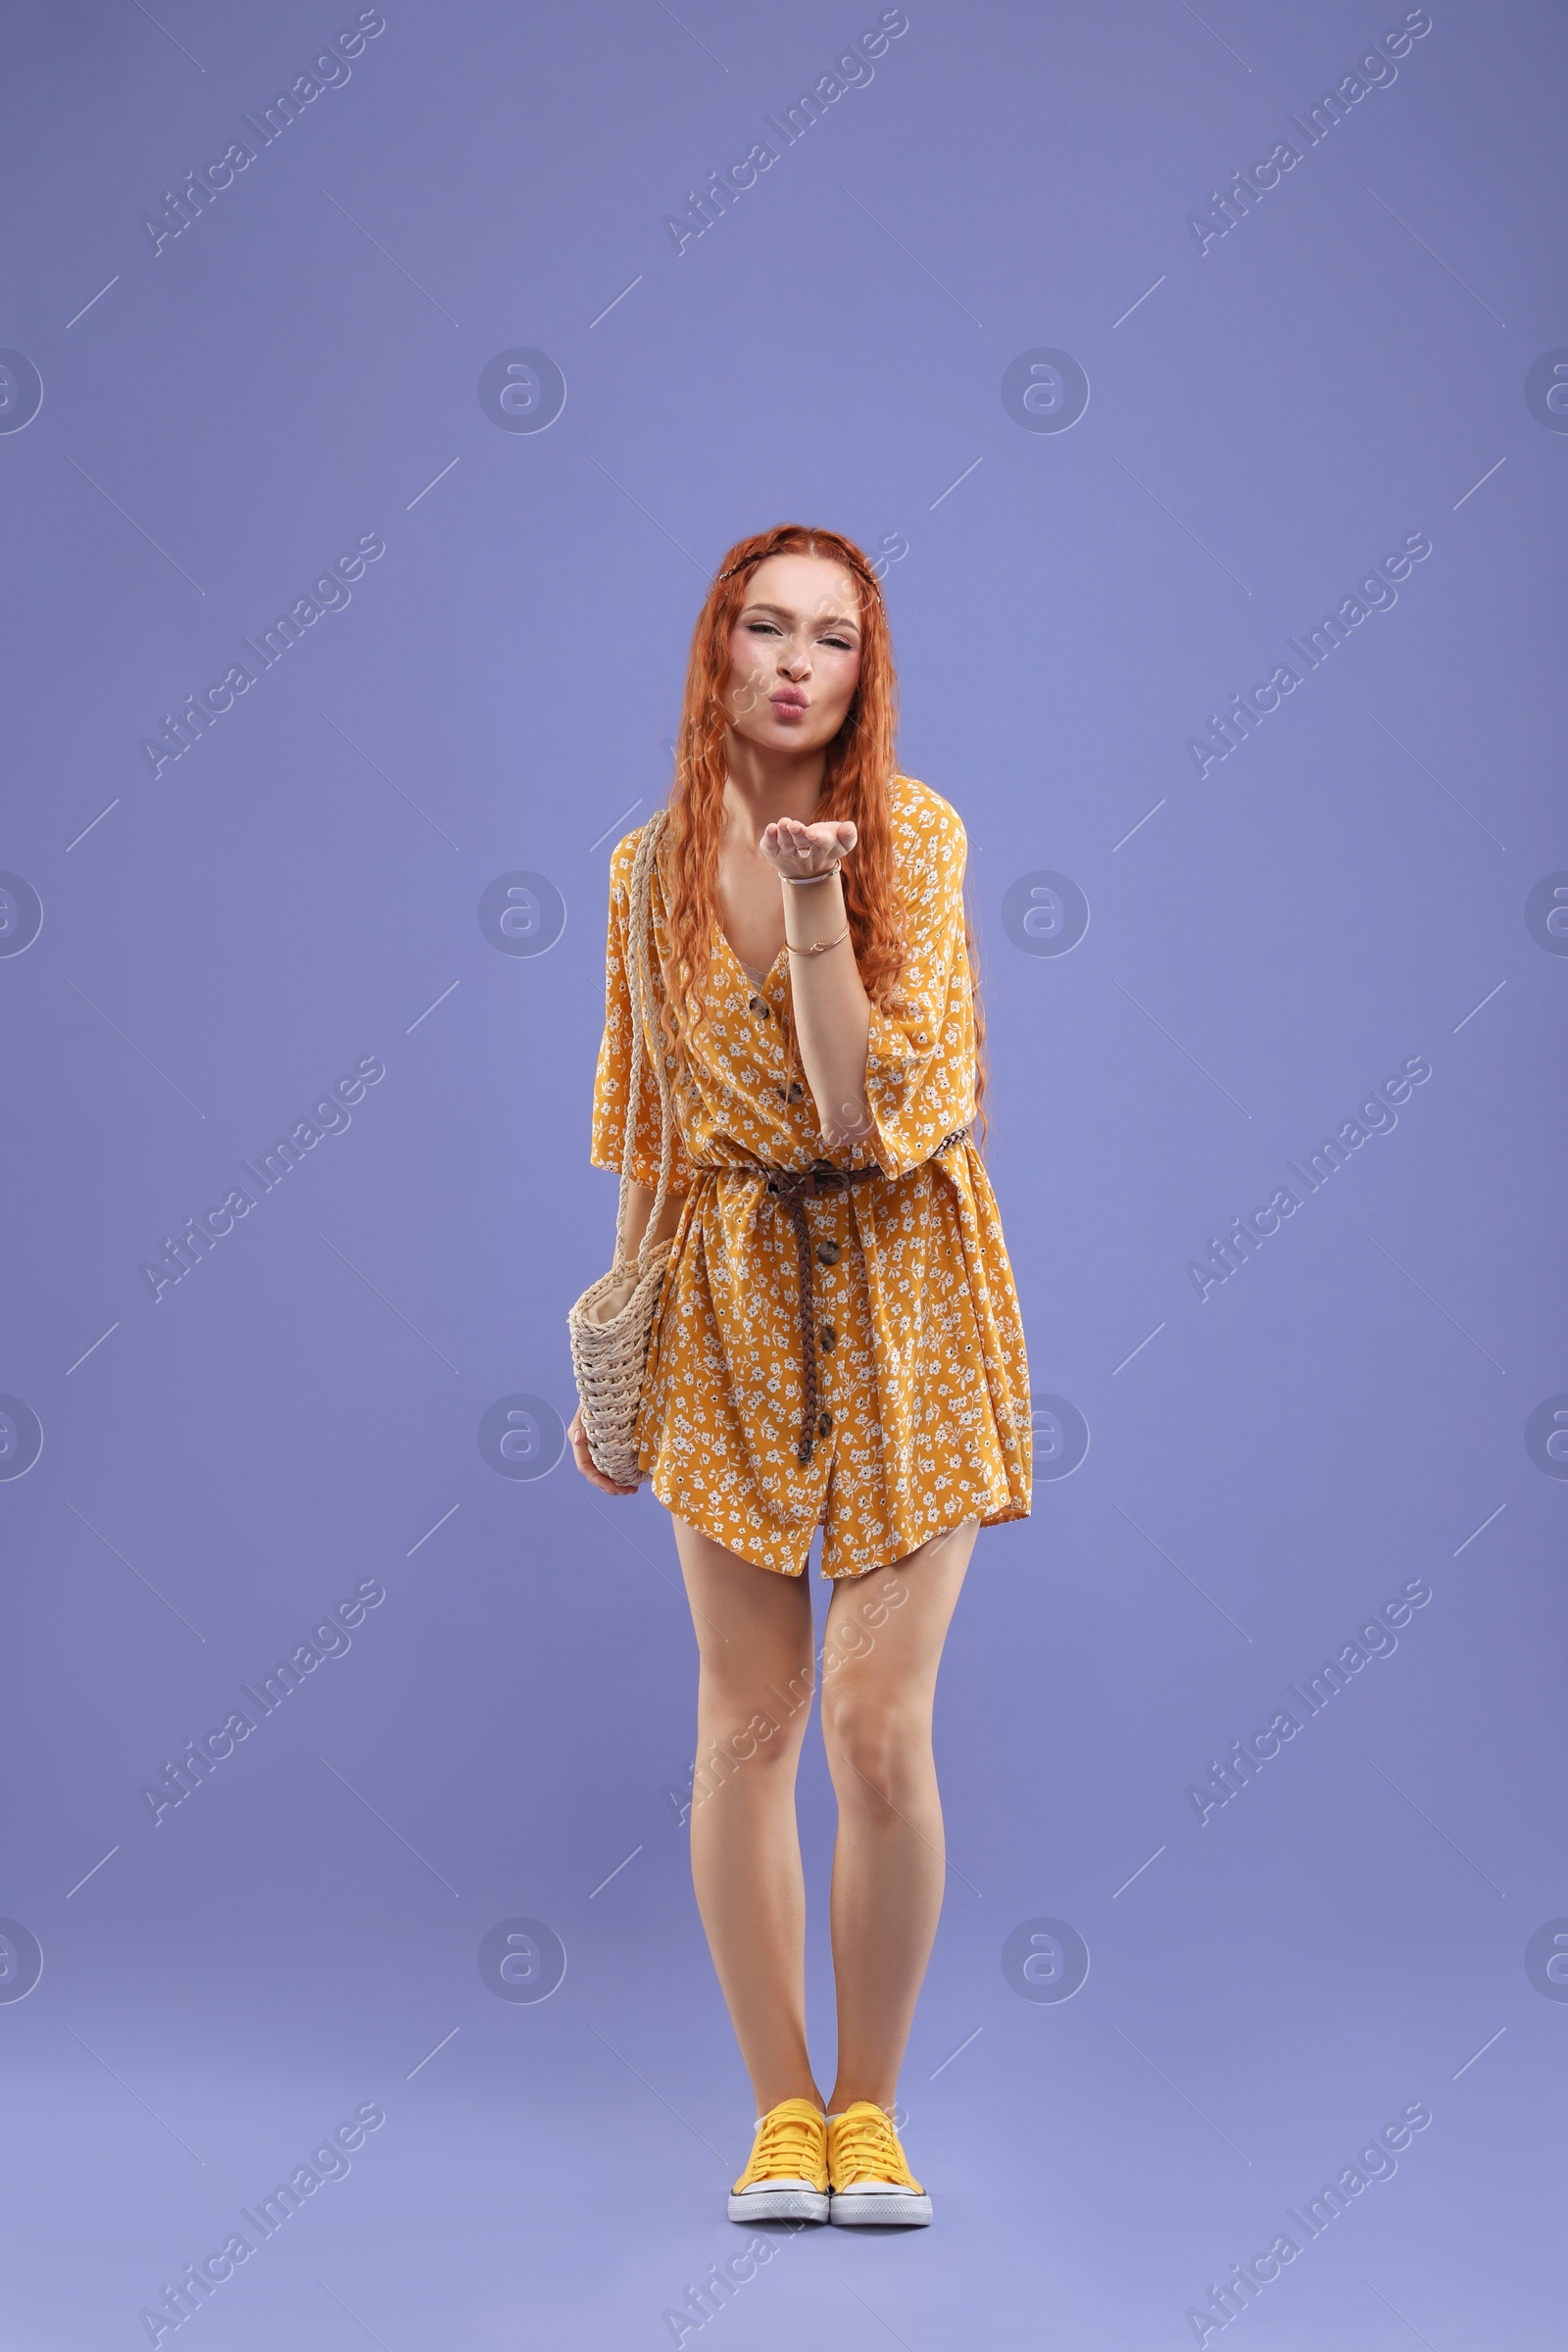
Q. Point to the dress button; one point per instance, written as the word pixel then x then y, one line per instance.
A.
pixel 828 1252
pixel 824 1425
pixel 756 1006
pixel 828 1336
pixel 796 1091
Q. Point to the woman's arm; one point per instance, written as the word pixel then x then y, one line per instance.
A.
pixel 640 1200
pixel 832 1012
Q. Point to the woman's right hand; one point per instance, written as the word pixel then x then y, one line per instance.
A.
pixel 585 1460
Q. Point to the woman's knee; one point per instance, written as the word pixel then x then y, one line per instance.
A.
pixel 751 1747
pixel 876 1741
pixel 743 1722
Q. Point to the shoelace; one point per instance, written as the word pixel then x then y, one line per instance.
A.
pixel 788 2148
pixel 867 2149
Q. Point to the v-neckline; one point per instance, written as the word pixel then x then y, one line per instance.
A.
pixel 741 967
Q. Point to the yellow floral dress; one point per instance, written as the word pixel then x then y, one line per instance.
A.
pixel 922 1377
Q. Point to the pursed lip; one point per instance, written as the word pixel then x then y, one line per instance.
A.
pixel 789 698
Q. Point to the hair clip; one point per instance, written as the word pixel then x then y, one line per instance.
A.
pixel 761 554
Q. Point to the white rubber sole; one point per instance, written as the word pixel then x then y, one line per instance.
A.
pixel 782 2201
pixel 896 2208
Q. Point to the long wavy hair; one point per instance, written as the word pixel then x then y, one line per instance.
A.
pixel 860 763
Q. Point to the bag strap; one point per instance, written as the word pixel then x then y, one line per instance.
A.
pixel 640 982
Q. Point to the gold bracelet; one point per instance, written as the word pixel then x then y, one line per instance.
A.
pixel 818 947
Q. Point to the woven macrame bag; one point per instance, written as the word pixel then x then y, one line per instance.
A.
pixel 612 1322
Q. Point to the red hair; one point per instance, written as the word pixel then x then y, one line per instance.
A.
pixel 859 768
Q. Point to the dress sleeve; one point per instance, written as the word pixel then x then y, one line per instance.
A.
pixel 613 1079
pixel 920 1058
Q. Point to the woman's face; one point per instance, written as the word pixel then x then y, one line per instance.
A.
pixel 794 654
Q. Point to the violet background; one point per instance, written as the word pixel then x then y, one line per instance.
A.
pixel 302 890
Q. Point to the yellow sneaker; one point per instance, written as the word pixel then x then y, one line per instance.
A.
pixel 786 2180
pixel 871 2182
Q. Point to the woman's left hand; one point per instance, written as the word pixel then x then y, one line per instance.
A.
pixel 798 850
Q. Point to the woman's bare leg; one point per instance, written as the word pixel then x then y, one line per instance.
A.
pixel 885 1631
pixel 754 1696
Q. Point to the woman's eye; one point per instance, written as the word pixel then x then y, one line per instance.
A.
pixel 842 643
pixel 761 628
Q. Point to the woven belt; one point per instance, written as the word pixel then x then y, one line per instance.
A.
pixel 792 1189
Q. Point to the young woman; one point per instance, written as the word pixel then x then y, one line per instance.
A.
pixel 836 1341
